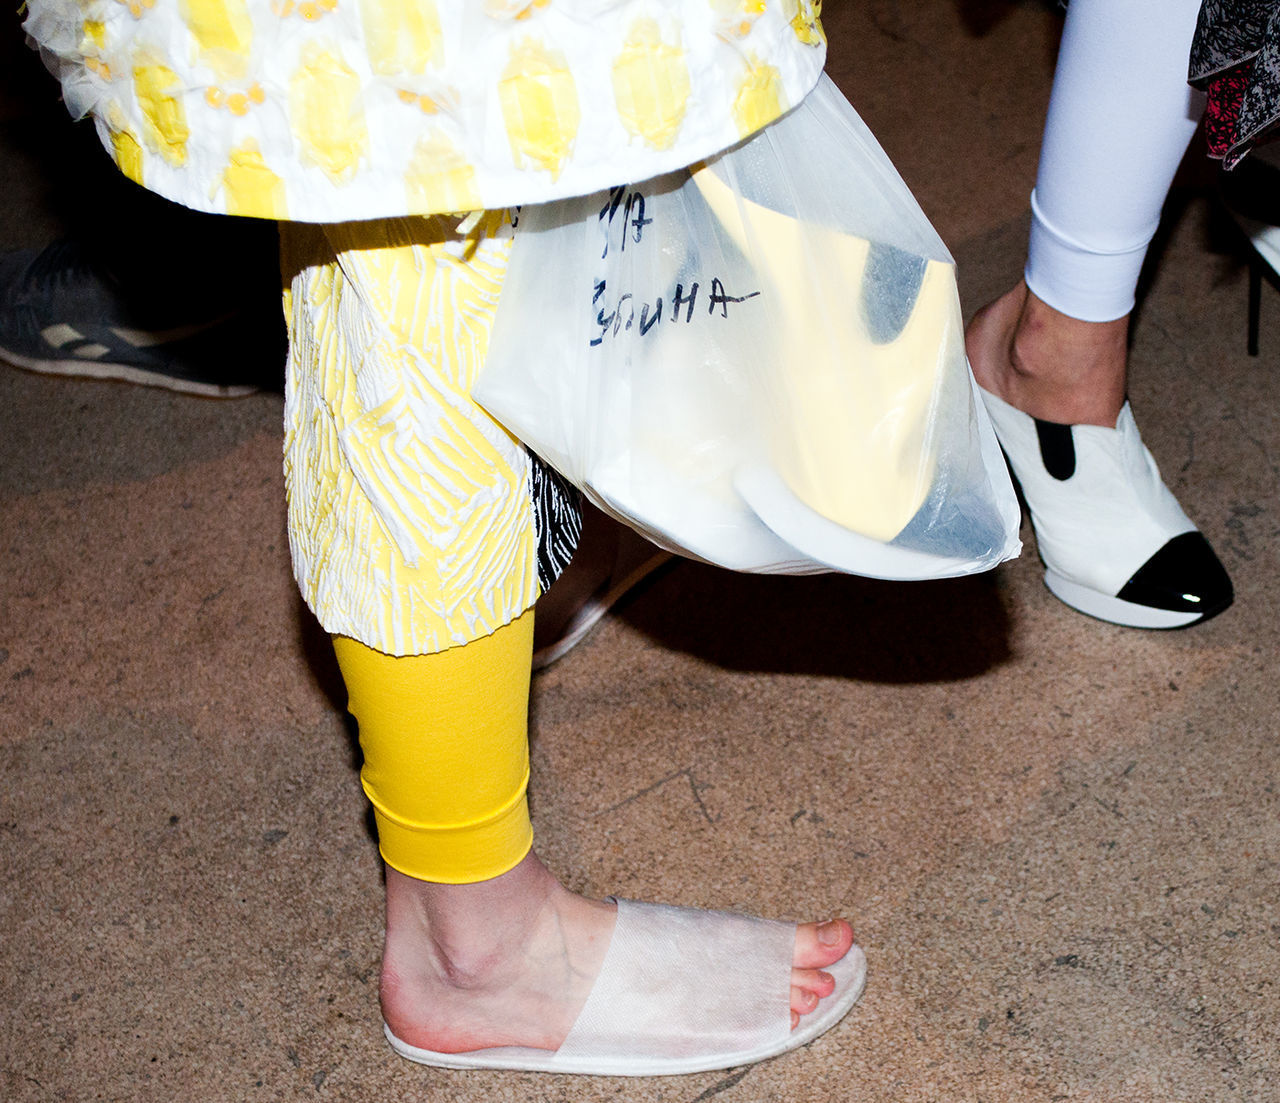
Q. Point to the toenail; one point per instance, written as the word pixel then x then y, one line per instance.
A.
pixel 829 933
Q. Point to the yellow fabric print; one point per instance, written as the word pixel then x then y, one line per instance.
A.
pixel 805 17
pixel 126 150
pixel 251 187
pixel 440 178
pixel 737 17
pixel 440 98
pixel 164 120
pixel 238 102
pixel 425 104
pixel 224 31
pixel 539 106
pixel 95 35
pixel 310 10
pixel 651 85
pixel 326 113
pixel 137 7
pixel 402 36
pixel 760 98
pixel 513 9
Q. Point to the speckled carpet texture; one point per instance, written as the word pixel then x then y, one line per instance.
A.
pixel 1058 840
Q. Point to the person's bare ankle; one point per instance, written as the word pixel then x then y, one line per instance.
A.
pixel 509 961
pixel 1048 364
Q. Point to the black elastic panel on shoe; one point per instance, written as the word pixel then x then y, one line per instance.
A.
pixel 1057 449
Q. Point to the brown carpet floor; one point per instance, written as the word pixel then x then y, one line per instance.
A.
pixel 1057 839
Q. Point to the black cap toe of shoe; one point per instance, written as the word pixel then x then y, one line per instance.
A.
pixel 1185 576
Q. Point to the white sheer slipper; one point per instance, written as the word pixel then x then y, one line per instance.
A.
pixel 680 991
pixel 1115 543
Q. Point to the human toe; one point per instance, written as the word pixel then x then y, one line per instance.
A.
pixel 808 987
pixel 821 944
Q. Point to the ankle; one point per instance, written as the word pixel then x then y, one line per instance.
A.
pixel 1048 364
pixel 461 933
pixel 508 961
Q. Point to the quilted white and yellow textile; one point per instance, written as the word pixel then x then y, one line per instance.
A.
pixel 334 110
pixel 415 521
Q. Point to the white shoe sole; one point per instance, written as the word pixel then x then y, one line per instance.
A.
pixel 107 371
pixel 1112 609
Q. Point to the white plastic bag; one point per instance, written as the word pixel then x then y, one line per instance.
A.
pixel 759 363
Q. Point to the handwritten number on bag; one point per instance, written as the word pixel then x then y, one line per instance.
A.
pixel 633 219
pixel 631 204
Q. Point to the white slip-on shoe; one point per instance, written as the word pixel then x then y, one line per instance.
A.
pixel 1115 543
pixel 680 990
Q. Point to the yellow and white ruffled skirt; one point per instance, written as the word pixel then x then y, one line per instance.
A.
pixel 416 521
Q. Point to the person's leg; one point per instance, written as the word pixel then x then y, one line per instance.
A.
pixel 1120 119
pixel 414 528
pixel 484 946
pixel 1052 353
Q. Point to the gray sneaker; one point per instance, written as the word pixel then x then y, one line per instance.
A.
pixel 61 314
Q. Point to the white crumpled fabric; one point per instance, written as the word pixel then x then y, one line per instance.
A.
pixel 335 110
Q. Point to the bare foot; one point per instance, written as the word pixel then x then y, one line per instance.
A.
pixel 511 961
pixel 1047 364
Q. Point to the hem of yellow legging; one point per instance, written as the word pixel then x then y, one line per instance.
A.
pixel 517 796
pixel 454 874
pixel 457 854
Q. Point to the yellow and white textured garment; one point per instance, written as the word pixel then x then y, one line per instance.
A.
pixel 333 110
pixel 415 521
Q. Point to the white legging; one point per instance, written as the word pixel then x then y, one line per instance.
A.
pixel 1120 119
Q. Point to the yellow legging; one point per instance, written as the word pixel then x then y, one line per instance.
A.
pixel 446 752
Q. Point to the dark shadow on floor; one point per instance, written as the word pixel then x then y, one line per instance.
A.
pixel 836 625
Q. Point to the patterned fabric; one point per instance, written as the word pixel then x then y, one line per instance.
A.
pixel 415 521
pixel 328 110
pixel 557 514
pixel 1235 59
